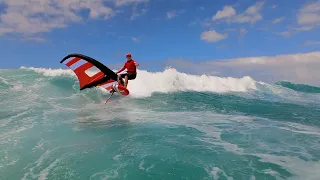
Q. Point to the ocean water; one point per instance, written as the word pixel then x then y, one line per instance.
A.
pixel 172 126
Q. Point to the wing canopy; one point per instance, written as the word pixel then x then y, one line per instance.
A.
pixel 81 66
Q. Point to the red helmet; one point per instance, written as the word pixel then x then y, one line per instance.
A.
pixel 128 55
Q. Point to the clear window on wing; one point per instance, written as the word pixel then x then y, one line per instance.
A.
pixel 92 71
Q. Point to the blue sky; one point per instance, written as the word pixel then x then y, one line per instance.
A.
pixel 41 34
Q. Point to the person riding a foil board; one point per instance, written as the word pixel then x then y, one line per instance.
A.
pixel 131 74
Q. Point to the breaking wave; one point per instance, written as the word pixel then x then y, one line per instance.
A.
pixel 170 80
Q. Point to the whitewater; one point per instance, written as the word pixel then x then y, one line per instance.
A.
pixel 173 125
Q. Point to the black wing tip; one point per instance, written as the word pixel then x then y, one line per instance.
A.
pixel 72 55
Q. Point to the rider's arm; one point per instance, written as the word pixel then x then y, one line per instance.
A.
pixel 137 64
pixel 121 69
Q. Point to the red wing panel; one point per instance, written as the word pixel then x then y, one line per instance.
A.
pixel 79 67
pixel 108 85
pixel 119 88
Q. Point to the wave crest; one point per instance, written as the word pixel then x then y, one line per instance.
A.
pixel 170 80
pixel 299 87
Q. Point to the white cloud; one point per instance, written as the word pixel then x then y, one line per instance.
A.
pixel 192 23
pixel 308 18
pixel 136 12
pixel 26 38
pixel 285 33
pixel 173 13
pixel 135 39
pixel 294 30
pixel 310 43
pixel 304 28
pixel 207 23
pixel 278 20
pixel 309 15
pixel 227 11
pixel 29 17
pixel 126 2
pixel 297 68
pixel 38 39
pixel 243 31
pixel 274 6
pixel 250 15
pixel 212 36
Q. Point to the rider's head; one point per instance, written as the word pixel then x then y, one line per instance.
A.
pixel 128 56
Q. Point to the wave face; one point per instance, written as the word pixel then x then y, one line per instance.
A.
pixel 172 125
pixel 299 87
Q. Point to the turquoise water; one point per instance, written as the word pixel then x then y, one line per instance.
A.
pixel 300 87
pixel 178 126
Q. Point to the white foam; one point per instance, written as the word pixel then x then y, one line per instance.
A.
pixel 43 174
pixel 50 72
pixel 170 80
pixel 215 171
pixel 293 165
pixel 4 81
pixel 299 128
